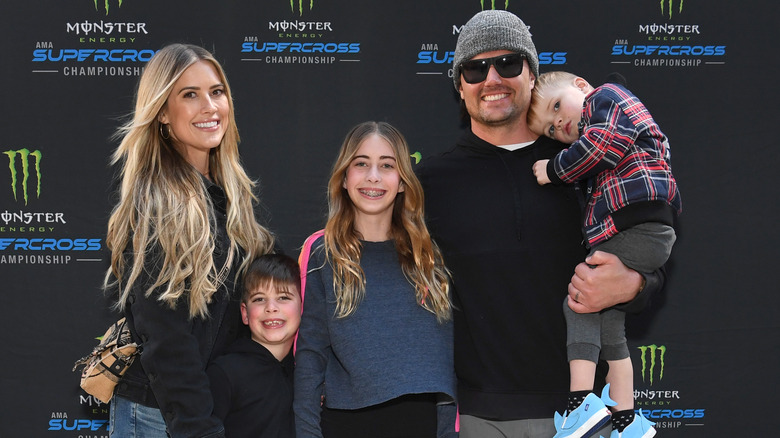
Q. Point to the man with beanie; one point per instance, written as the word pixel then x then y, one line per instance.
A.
pixel 512 245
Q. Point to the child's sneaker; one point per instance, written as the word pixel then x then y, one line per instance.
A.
pixel 584 421
pixel 641 427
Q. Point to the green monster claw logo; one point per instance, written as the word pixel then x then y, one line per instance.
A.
pixel 24 155
pixel 300 6
pixel 670 6
pixel 106 5
pixel 493 4
pixel 652 349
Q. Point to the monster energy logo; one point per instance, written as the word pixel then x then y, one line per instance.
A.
pixel 300 6
pixel 493 4
pixel 24 156
pixel 670 4
pixel 652 350
pixel 106 5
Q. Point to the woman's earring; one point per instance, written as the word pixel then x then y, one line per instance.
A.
pixel 165 131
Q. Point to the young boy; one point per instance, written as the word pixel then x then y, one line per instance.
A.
pixel 252 383
pixel 633 199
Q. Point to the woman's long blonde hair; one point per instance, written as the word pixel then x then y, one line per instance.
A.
pixel 163 201
pixel 420 258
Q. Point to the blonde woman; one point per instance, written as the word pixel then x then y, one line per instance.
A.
pixel 183 229
pixel 374 353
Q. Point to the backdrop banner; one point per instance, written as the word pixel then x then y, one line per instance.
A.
pixel 706 351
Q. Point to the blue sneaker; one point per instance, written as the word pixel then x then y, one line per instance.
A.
pixel 584 421
pixel 641 427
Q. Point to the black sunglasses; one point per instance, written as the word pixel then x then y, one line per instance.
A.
pixel 508 66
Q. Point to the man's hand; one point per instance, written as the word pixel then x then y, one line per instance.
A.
pixel 540 172
pixel 602 281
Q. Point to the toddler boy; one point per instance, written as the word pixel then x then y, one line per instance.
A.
pixel 633 199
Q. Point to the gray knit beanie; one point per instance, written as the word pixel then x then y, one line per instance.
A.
pixel 493 30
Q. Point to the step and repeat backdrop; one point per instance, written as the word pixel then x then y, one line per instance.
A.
pixel 706 351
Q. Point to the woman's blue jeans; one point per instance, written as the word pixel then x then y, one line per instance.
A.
pixel 131 420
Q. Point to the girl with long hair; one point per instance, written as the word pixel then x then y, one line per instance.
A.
pixel 374 353
pixel 182 231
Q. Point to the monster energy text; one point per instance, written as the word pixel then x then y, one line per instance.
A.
pixel 105 28
pixel 669 29
pixel 300 26
pixel 27 217
pixel 107 40
pixel 650 394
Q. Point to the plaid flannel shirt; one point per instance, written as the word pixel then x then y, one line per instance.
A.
pixel 623 154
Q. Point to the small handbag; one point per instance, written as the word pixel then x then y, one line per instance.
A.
pixel 104 367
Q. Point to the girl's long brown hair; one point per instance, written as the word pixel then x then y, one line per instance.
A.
pixel 420 258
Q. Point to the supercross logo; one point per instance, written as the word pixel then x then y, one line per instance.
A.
pixel 667 7
pixel 669 45
pixel 296 42
pixel 24 157
pixel 103 44
pixel 655 354
pixel 106 5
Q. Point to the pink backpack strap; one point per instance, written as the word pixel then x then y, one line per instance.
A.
pixel 303 263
